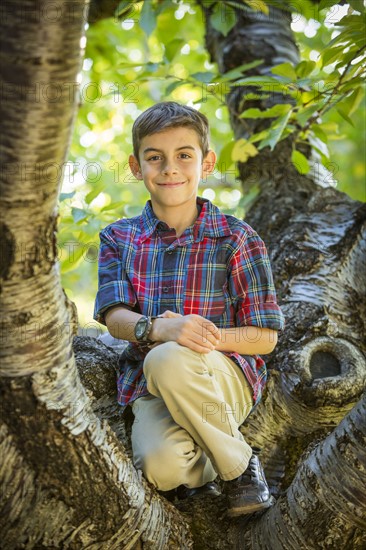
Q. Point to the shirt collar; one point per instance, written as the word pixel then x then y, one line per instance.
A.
pixel 210 222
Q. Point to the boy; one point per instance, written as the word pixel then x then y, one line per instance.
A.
pixel 191 289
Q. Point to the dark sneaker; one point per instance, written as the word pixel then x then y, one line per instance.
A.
pixel 210 488
pixel 249 492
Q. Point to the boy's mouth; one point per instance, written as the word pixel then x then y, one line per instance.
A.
pixel 171 183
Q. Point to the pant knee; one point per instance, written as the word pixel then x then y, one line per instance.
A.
pixel 163 354
pixel 171 363
pixel 166 467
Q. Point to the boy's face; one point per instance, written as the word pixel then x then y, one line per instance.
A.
pixel 171 167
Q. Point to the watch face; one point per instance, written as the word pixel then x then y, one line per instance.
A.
pixel 141 327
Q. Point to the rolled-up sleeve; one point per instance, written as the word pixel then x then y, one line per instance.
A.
pixel 114 287
pixel 251 285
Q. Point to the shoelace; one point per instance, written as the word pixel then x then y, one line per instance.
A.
pixel 249 473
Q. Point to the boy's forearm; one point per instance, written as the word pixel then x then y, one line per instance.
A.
pixel 192 331
pixel 121 323
pixel 244 340
pixel 247 340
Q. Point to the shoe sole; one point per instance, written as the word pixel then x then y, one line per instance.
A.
pixel 246 509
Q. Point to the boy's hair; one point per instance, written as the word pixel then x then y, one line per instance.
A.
pixel 169 114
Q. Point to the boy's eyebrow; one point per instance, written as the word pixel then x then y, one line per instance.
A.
pixel 149 149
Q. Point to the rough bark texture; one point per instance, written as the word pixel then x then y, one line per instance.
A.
pixel 325 506
pixel 316 240
pixel 66 480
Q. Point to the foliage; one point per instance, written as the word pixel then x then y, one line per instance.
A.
pixel 140 57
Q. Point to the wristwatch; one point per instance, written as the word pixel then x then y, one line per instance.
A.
pixel 143 328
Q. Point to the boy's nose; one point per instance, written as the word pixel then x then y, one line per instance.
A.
pixel 169 168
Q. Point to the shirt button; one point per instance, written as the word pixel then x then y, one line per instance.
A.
pixel 170 251
pixel 165 289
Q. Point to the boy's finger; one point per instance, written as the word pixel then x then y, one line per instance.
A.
pixel 170 314
pixel 213 329
pixel 200 349
pixel 205 341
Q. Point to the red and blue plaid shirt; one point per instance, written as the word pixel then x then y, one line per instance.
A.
pixel 218 268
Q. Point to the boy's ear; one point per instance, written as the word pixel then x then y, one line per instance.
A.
pixel 208 163
pixel 135 167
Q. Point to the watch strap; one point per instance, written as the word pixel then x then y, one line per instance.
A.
pixel 150 328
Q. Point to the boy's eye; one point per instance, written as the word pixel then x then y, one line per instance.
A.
pixel 154 157
pixel 185 155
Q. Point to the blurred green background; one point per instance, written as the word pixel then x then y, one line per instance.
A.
pixel 130 65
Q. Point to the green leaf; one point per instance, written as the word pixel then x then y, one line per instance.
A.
pixel 351 84
pixel 242 150
pixel 223 19
pixel 356 5
pixel 64 196
pixel 148 17
pixel 260 81
pixel 300 162
pixel 254 138
pixel 275 132
pixel 352 21
pixel 94 193
pixel 163 5
pixel 150 68
pixel 285 69
pixel 78 214
pixel 123 8
pixel 225 158
pixel 276 110
pixel 173 47
pixel 353 101
pixel 132 65
pixel 329 128
pixel 238 71
pixel 331 54
pixel 203 77
pixel 345 116
pixel 303 114
pixel 304 68
pixel 113 206
pixel 174 85
pixel 258 5
pixel 319 133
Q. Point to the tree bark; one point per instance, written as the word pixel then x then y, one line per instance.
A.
pixel 66 479
pixel 325 506
pixel 316 240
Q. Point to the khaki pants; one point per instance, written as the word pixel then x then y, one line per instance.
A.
pixel 186 432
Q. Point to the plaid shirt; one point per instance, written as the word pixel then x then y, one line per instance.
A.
pixel 218 268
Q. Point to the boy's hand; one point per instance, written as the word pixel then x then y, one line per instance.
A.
pixel 169 314
pixel 193 331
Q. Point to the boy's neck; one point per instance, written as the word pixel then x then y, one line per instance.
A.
pixel 178 217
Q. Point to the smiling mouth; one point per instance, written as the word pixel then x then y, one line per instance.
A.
pixel 171 183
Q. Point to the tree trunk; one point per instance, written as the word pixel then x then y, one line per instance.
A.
pixel 325 506
pixel 316 240
pixel 66 479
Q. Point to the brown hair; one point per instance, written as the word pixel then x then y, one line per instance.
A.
pixel 169 114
